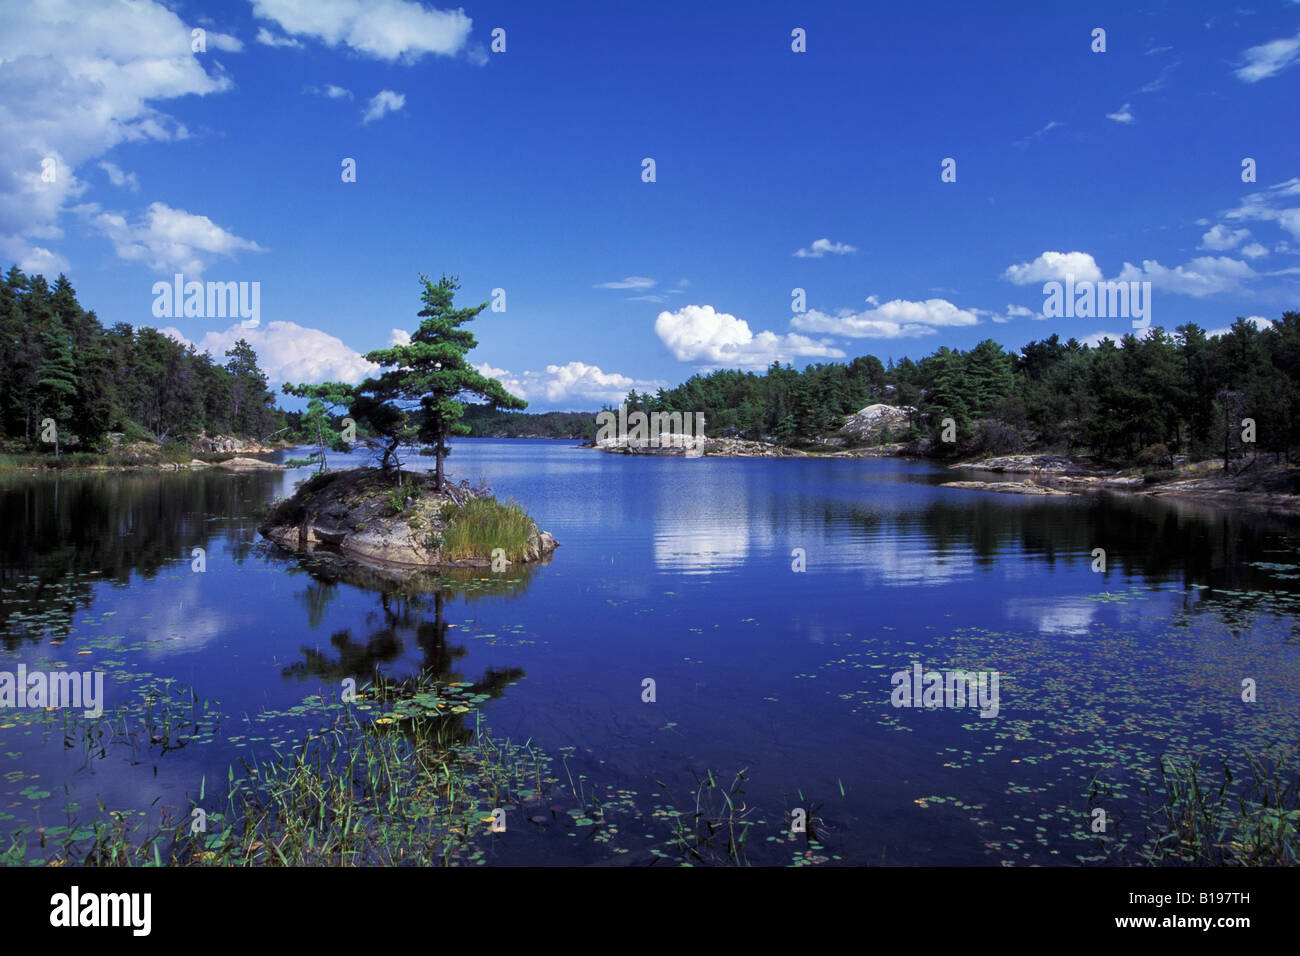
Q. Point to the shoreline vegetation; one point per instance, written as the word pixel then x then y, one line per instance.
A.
pixel 1213 416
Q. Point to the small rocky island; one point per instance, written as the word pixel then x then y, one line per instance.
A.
pixel 370 516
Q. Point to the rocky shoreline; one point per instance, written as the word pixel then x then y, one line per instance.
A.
pixel 1259 486
pixel 364 515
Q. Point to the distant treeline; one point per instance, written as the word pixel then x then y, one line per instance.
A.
pixel 1188 392
pixel 1158 394
pixel 487 422
pixel 59 363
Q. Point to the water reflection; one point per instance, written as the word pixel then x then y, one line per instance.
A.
pixel 65 534
pixel 409 612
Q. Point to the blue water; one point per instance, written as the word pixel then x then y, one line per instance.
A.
pixel 683 571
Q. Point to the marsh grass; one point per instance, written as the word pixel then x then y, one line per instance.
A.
pixel 711 828
pixel 375 787
pixel 1215 817
pixel 482 524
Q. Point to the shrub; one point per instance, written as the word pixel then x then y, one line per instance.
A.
pixel 994 438
pixel 1157 455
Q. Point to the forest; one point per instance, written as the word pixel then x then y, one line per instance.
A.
pixel 58 361
pixel 1185 392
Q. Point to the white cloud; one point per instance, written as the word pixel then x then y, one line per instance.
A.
pixel 330 91
pixel 33 260
pixel 399 337
pixel 1268 59
pixel 1272 205
pixel 1258 321
pixel 224 41
pixel 631 282
pixel 1221 238
pixel 119 178
pixel 569 382
pixel 80 77
pixel 1017 312
pixel 648 298
pixel 821 247
pixel 1122 115
pixel 382 103
pixel 1092 341
pixel 383 29
pixel 167 239
pixel 1054 266
pixel 698 333
pixel 898 318
pixel 1200 277
pixel 288 352
pixel 1051 125
pixel 267 38
pixel 1254 251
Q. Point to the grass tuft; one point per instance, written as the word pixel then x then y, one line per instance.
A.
pixel 476 528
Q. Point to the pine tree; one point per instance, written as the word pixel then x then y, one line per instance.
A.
pixel 56 379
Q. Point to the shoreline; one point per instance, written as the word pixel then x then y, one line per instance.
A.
pixel 1263 488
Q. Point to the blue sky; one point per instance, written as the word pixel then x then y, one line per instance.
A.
pixel 774 170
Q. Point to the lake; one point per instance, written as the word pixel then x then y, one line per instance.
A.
pixel 770 601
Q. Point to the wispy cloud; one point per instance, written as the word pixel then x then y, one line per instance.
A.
pixel 383 103
pixel 898 318
pixel 1122 115
pixel 821 247
pixel 631 282
pixel 1268 59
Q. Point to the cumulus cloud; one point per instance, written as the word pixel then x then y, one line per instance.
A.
pixel 1122 115
pixel 383 103
pixel 1268 59
pixel 1092 341
pixel 399 337
pixel 1054 266
pixel 698 333
pixel 898 318
pixel 1258 321
pixel 572 381
pixel 1017 312
pixel 1254 251
pixel 383 29
pixel 1221 238
pixel 288 352
pixel 79 77
pixel 167 239
pixel 821 247
pixel 1200 277
pixel 631 282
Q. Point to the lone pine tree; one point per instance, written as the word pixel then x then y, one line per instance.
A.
pixel 415 396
